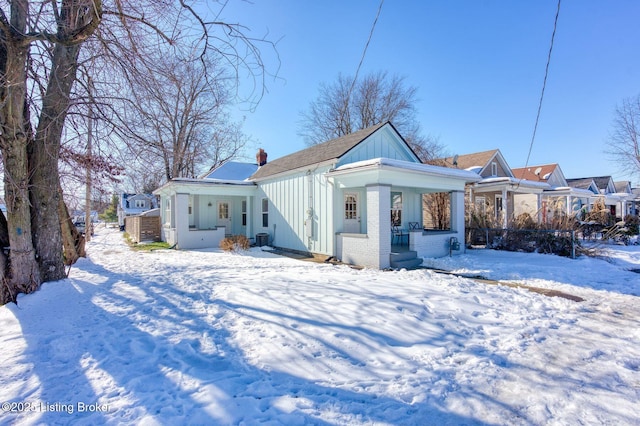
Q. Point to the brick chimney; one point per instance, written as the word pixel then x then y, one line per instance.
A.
pixel 261 157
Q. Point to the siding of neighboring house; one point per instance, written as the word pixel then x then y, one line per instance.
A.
pixel 487 171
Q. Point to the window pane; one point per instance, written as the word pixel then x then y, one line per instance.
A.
pixel 350 207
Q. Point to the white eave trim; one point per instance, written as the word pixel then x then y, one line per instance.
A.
pixel 189 182
pixel 568 190
pixel 511 183
pixel 404 166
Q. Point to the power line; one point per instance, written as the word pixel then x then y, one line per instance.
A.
pixel 364 52
pixel 544 85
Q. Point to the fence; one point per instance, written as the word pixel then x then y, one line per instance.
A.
pixel 143 228
pixel 557 241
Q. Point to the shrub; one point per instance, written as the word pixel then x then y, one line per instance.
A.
pixel 632 223
pixel 600 214
pixel 235 243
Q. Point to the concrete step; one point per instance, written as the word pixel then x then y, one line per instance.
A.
pixel 406 263
pixel 403 255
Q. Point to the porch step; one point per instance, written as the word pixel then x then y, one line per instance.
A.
pixel 405 260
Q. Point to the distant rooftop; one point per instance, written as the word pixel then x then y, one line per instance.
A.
pixel 232 171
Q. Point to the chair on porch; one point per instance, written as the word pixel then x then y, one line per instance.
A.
pixel 398 234
pixel 414 226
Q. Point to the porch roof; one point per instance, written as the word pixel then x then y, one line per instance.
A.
pixel 401 173
pixel 510 184
pixel 568 190
pixel 206 187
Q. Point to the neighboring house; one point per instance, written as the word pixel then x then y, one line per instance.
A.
pixel 135 204
pixel 560 198
pixel 626 198
pixel 635 202
pixel 605 191
pixel 498 192
pixel 335 199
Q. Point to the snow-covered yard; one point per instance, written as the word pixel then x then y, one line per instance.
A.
pixel 184 337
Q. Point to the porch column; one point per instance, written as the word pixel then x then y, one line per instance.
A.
pixel 249 228
pixel 505 209
pixel 379 224
pixel 457 211
pixel 539 208
pixel 569 207
pixel 181 214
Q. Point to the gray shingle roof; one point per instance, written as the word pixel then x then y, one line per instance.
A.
pixel 580 183
pixel 622 186
pixel 466 161
pixel 333 149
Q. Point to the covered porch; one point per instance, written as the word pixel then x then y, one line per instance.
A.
pixel 386 214
pixel 503 198
pixel 196 214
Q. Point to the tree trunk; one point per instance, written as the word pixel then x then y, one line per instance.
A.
pixel 43 162
pixel 72 240
pixel 24 274
pixel 5 293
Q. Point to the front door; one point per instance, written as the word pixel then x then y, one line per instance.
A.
pixel 351 213
pixel 224 216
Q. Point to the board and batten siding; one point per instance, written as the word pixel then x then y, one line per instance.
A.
pixel 382 144
pixel 290 199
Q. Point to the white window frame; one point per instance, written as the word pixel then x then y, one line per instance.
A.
pixel 265 212
pixel 167 212
pixel 244 212
pixel 499 206
pixel 396 206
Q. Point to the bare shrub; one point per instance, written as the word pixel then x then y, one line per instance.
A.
pixel 235 243
pixel 600 214
pixel 632 223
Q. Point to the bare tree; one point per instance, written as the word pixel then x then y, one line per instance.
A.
pixel 40 53
pixel 624 140
pixel 176 119
pixel 346 106
pixel 30 156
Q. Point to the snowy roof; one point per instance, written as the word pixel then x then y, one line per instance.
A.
pixel 232 171
pixel 572 190
pixel 513 181
pixel 408 165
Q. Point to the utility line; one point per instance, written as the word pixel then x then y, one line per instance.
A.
pixel 364 52
pixel 544 85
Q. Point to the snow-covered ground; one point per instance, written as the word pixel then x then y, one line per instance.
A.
pixel 208 337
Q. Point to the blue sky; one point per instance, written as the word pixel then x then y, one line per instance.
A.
pixel 478 67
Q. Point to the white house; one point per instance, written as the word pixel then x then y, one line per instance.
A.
pixel 335 199
pixel 612 196
pixel 559 198
pixel 498 191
